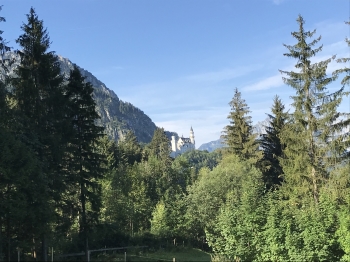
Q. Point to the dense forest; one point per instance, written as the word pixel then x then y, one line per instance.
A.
pixel 65 184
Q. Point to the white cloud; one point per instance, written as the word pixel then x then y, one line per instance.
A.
pixel 222 75
pixel 267 83
pixel 329 30
pixel 118 67
pixel 278 2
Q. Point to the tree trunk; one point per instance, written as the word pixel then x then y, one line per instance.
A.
pixel 83 226
pixel 44 248
pixel 315 188
pixel 8 239
pixel 1 254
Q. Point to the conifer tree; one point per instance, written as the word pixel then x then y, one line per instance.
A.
pixel 346 70
pixel 159 164
pixel 160 145
pixel 39 99
pixel 271 144
pixel 130 148
pixel 85 165
pixel 312 148
pixel 345 136
pixel 239 134
pixel 3 70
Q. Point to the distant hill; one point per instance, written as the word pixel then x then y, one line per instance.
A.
pixel 211 146
pixel 259 129
pixel 116 115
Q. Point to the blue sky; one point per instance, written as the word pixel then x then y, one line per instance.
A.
pixel 180 60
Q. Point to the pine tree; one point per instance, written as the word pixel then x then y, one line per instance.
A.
pixel 239 134
pixel 272 146
pixel 312 148
pixel 85 165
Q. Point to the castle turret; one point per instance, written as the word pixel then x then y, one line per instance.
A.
pixel 173 144
pixel 192 137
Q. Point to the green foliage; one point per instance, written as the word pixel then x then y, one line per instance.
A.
pixel 211 191
pixel 345 70
pixel 159 226
pixel 199 159
pixel 239 134
pixel 272 146
pixel 19 192
pixel 85 162
pixel 305 233
pixel 160 146
pixel 312 144
pixel 237 228
pixel 340 192
pixel 129 149
pixel 38 96
pixel 54 161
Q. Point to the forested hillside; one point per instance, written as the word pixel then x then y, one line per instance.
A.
pixel 65 184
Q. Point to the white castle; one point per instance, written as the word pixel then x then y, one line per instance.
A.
pixel 182 145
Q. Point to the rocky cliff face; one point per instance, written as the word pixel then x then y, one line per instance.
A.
pixel 116 115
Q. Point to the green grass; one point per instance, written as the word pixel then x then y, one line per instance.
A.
pixel 180 255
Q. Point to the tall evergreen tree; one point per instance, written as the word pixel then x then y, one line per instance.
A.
pixel 3 70
pixel 160 145
pixel 238 135
pixel 272 146
pixel 129 148
pixel 312 146
pixel 39 97
pixel 85 165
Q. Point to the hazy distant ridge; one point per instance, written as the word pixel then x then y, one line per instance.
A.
pixel 258 129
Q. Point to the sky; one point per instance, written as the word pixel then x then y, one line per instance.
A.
pixel 180 61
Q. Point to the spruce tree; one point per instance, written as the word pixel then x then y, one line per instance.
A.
pixel 312 147
pixel 345 134
pixel 160 145
pixel 272 145
pixel 85 165
pixel 238 135
pixel 130 149
pixel 3 70
pixel 346 70
pixel 39 96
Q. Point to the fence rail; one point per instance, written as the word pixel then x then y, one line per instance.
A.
pixel 97 250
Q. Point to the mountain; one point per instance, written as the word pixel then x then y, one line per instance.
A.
pixel 116 115
pixel 259 129
pixel 211 146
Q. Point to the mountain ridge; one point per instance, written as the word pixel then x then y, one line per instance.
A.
pixel 116 116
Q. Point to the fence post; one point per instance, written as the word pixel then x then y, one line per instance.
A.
pixel 125 256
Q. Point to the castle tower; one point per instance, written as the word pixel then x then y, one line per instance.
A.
pixel 192 137
pixel 173 144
